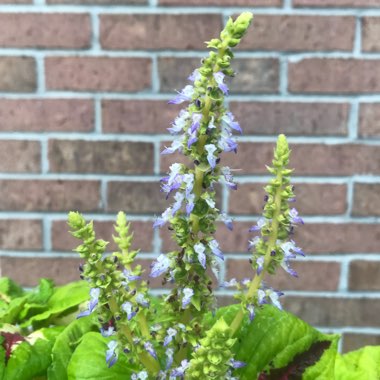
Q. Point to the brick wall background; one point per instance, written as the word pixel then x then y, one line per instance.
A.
pixel 83 116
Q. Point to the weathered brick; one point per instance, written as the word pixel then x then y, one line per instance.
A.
pixel 312 276
pixel 336 3
pixel 335 311
pixel 99 2
pixel 80 156
pixel 364 275
pixel 223 3
pixel 136 197
pixel 369 120
pixel 334 76
pixel 45 30
pixel 46 115
pixel 20 156
pixel 18 74
pixel 366 199
pixel 259 75
pixel 312 199
pixel 370 34
pixel 49 195
pixel 27 271
pixel 300 33
pixel 20 234
pixel 352 341
pixel 137 116
pixel 307 159
pixel 142 31
pixel 62 240
pixel 267 118
pixel 97 74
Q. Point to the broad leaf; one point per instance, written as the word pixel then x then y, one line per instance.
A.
pixel 10 288
pixel 363 364
pixel 65 345
pixel 88 361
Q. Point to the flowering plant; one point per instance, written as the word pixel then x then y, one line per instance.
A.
pixel 124 332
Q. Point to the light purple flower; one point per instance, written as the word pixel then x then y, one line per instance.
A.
pixel 196 121
pixel 291 250
pixel 171 333
pixel 251 311
pixel 111 353
pixel 185 95
pixel 285 265
pixel 127 307
pixel 170 357
pixel 188 180
pixel 150 349
pixel 219 79
pixel 179 122
pixel 187 295
pixel 237 364
pixel 293 213
pixel 190 204
pixel 193 138
pixel 261 222
pixel 142 375
pixel 195 75
pixel 214 246
pixel 210 149
pixel 228 178
pixel 262 297
pixel 141 300
pixel 253 243
pixel 274 297
pixel 226 220
pixel 260 264
pixel 176 144
pixel 180 371
pixel 229 120
pixel 199 249
pixel 130 276
pixel 163 219
pixel 231 283
pixel 160 266
pixel 179 198
pixel 94 300
pixel 226 142
pixel 107 332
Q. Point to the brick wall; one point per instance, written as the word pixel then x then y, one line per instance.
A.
pixel 83 91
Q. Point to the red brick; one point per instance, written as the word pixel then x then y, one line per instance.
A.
pixel 20 234
pixel 16 1
pixel 369 123
pixel 142 31
pixel 136 197
pixel 80 156
pixel 99 2
pixel 98 74
pixel 18 74
pixel 46 115
pixel 49 195
pixel 312 276
pixel 306 159
pixel 331 76
pixel 223 3
pixel 45 30
pixel 258 75
pixel 370 34
pixel 137 116
pixel 142 235
pixel 336 3
pixel 269 118
pixel 366 199
pixel 364 275
pixel 20 156
pixel 312 199
pixel 352 341
pixel 337 312
pixel 300 33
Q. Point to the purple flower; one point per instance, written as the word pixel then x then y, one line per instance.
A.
pixel 228 178
pixel 262 297
pixel 214 246
pixel 180 371
pixel 226 220
pixel 160 266
pixel 163 219
pixel 226 142
pixel 293 213
pixel 179 123
pixel 178 197
pixel 260 264
pixel 251 311
pixel 231 283
pixel 193 138
pixel 150 349
pixel 176 144
pixel 253 243
pixel 230 121
pixel 199 249
pixel 187 295
pixel 171 333
pixel 261 222
pixel 142 375
pixel 183 96
pixel 190 204
pixel 94 300
pixel 170 355
pixel 291 250
pixel 127 307
pixel 141 300
pixel 196 121
pixel 274 297
pixel 237 364
pixel 285 265
pixel 219 79
pixel 111 353
pixel 195 75
pixel 130 276
pixel 188 180
pixel 107 332
pixel 210 149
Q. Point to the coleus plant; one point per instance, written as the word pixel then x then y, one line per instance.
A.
pixel 124 332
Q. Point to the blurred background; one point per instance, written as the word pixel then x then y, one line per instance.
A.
pixel 84 86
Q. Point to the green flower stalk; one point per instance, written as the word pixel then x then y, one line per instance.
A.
pixel 273 248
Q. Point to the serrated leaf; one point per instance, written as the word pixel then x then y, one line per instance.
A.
pixel 88 361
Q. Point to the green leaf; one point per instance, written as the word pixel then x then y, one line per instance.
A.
pixel 10 288
pixel 32 357
pixel 65 345
pixel 363 364
pixel 10 313
pixel 88 361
